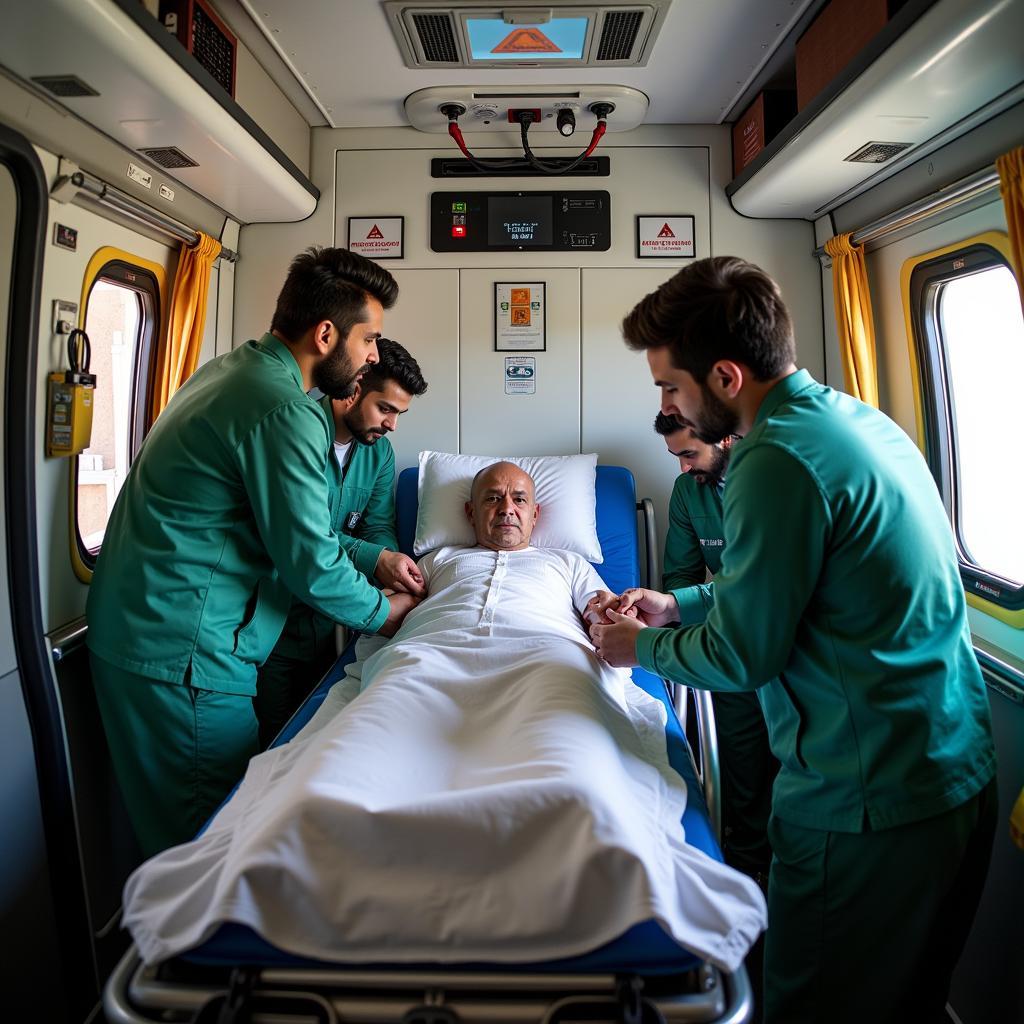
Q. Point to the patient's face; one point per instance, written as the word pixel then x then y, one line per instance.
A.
pixel 502 508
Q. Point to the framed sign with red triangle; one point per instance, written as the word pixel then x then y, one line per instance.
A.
pixel 665 236
pixel 378 238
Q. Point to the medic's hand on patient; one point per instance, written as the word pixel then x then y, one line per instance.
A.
pixel 395 571
pixel 401 605
pixel 614 636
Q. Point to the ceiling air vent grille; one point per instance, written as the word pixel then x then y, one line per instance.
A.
pixel 169 157
pixel 618 35
pixel 65 86
pixel 877 152
pixel 437 38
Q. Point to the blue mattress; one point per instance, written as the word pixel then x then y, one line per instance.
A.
pixel 645 948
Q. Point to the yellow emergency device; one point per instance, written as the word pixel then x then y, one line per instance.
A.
pixel 71 394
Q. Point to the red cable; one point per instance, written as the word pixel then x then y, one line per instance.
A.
pixel 599 130
pixel 456 133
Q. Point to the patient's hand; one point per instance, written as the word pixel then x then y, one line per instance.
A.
pixel 596 610
pixel 649 606
pixel 396 571
pixel 401 605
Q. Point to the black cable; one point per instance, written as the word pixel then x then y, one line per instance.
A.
pixel 526 119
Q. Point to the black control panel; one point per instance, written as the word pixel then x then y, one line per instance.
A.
pixel 520 221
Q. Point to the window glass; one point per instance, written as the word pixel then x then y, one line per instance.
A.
pixel 114 322
pixel 981 329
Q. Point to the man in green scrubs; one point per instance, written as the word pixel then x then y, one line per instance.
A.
pixel 363 517
pixel 839 596
pixel 223 516
pixel 693 550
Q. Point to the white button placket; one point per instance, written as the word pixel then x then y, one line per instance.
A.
pixel 494 588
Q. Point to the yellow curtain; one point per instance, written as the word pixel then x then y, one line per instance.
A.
pixel 1011 184
pixel 854 322
pixel 186 319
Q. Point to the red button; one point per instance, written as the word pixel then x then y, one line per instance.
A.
pixel 458 231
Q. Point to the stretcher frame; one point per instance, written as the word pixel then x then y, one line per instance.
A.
pixel 181 991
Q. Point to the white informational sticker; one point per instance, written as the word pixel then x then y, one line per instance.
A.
pixel 167 193
pixel 144 178
pixel 668 237
pixel 377 238
pixel 519 316
pixel 520 375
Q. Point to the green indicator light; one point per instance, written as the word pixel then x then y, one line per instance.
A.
pixel 458 207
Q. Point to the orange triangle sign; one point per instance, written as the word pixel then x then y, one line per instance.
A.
pixel 666 232
pixel 375 232
pixel 526 40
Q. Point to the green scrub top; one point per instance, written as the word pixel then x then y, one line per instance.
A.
pixel 839 588
pixel 362 506
pixel 363 500
pixel 223 516
pixel 693 545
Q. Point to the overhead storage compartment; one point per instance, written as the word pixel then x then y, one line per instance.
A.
pixel 116 67
pixel 953 68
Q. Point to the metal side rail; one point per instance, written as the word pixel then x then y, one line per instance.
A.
pixel 179 992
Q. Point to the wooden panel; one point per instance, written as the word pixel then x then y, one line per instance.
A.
pixel 835 37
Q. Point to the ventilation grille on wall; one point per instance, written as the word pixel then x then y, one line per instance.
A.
pixel 169 157
pixel 877 152
pixel 618 34
pixel 437 38
pixel 64 85
pixel 473 34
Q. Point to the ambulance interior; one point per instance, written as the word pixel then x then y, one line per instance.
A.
pixel 329 124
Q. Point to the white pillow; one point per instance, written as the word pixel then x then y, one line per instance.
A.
pixel 565 492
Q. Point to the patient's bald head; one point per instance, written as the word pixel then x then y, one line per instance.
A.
pixel 502 507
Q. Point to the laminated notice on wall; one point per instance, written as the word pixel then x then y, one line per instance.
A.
pixel 519 316
pixel 377 238
pixel 665 237
pixel 520 375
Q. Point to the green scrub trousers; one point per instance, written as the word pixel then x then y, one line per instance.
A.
pixel 306 650
pixel 177 751
pixel 868 926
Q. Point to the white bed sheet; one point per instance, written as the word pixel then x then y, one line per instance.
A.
pixel 481 788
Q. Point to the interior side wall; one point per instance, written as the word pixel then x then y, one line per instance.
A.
pixel 592 393
pixel 63 595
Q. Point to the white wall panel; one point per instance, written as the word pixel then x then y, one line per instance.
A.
pixel 426 321
pixel 620 399
pixel 546 422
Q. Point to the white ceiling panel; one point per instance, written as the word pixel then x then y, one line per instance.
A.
pixel 344 53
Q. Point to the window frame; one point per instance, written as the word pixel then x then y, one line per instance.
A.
pixel 127 271
pixel 937 419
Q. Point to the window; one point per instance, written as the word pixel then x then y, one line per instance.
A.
pixel 970 336
pixel 121 319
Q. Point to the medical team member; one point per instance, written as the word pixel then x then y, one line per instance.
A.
pixel 693 549
pixel 222 517
pixel 839 585
pixel 362 515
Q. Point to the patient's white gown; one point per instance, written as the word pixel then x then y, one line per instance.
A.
pixel 481 788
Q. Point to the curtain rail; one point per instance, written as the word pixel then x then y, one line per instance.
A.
pixel 952 195
pixel 125 204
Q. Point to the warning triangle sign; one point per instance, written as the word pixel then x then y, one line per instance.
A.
pixel 375 232
pixel 666 232
pixel 526 40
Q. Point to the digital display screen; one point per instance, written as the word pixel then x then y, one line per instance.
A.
pixel 557 39
pixel 519 220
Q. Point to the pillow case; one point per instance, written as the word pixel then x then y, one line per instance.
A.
pixel 565 491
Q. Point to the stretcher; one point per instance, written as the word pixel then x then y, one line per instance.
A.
pixel 640 977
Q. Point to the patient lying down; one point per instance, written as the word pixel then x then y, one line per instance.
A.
pixel 480 788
